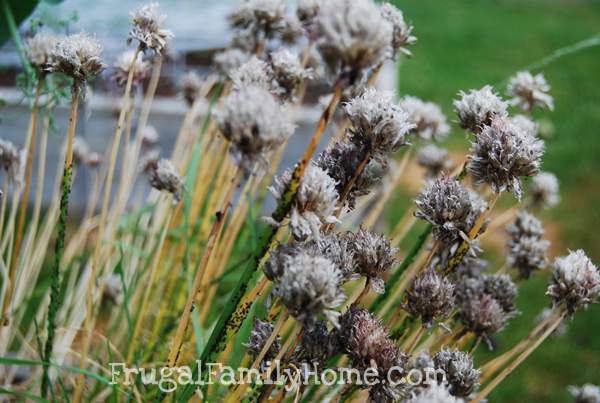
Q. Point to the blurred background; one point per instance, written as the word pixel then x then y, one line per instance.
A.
pixel 462 44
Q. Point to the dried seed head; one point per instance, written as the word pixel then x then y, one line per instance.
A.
pixel 318 344
pixel 253 72
pixel 229 60
pixel 340 161
pixel 575 282
pixel 288 72
pixel 307 10
pixel 477 108
pixel 587 393
pixel 147 28
pixel 77 56
pixel 254 122
pixel 447 205
pixel 429 122
pixel 434 159
pixel 164 176
pixel 471 266
pixel 149 160
pixel 39 50
pixel 377 121
pixel 338 249
pixel 259 17
pixel 528 91
pixel 310 286
pixel 502 153
pixel 527 254
pixel 401 31
pixel 483 315
pixel 113 290
pixel 261 331
pixel 430 296
pixel 526 124
pixel 12 160
pixel 292 29
pixel 435 393
pixel 367 342
pixel 525 225
pixel 502 289
pixel 314 204
pixel 544 190
pixel 190 87
pixel 150 136
pixel 141 68
pixel 373 255
pixel 462 377
pixel 353 35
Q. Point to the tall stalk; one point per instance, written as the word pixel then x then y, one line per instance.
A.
pixel 60 238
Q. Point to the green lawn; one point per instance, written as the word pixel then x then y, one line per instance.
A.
pixel 466 44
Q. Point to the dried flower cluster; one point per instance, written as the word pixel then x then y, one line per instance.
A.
pixel 12 160
pixel 147 28
pixel 430 297
pixel 77 56
pixel 401 31
pixel 141 68
pixel 526 248
pixel 529 91
pixel 544 190
pixel 477 108
pixel 163 176
pixel 434 159
pixel 39 50
pixel 428 119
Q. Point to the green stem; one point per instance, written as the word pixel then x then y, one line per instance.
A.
pixel 13 29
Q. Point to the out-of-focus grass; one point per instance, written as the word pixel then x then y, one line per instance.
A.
pixel 469 43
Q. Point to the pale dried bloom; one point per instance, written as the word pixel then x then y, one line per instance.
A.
pixel 434 159
pixel 164 176
pixel 141 68
pixel 575 282
pixel 477 108
pixel 544 190
pixel 369 345
pixel 499 287
pixel 261 331
pixel 377 121
pixel 429 122
pixel 526 124
pixel 253 72
pixel 259 18
pixel 353 36
pixel 255 123
pixel 447 205
pixel 471 266
pixel 310 286
pixel 526 250
pixel 338 249
pixel 229 60
pixel 314 204
pixel 340 161
pixel 501 154
pixel 39 50
pixel 462 376
pixel 587 393
pixel 430 296
pixel 435 393
pixel 113 290
pixel 147 28
pixel 288 72
pixel 12 160
pixel 81 151
pixel 77 56
pixel 373 256
pixel 530 90
pixel 150 136
pixel 401 34
pixel 190 87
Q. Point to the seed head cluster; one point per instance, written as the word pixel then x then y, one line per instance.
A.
pixel 148 28
pixel 477 108
pixel 429 122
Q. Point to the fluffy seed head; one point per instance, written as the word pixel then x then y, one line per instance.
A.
pixel 77 56
pixel 462 377
pixel 526 124
pixel 575 282
pixel 314 204
pixel 447 205
pixel 259 17
pixel 530 90
pixel 81 151
pixel 39 50
pixel 254 122
pixel 544 190
pixel 477 108
pixel 141 68
pixel 229 60
pixel 259 335
pixel 525 225
pixel 429 122
pixel 502 153
pixel 587 393
pixel 353 35
pixel 430 296
pixel 307 10
pixel 526 249
pixel 483 315
pixel 308 287
pixel 373 255
pixel 435 393
pixel 12 160
pixel 150 136
pixel 288 72
pixel 147 28
pixel 164 176
pixel 434 159
pixel 401 30
pixel 190 87
pixel 253 72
